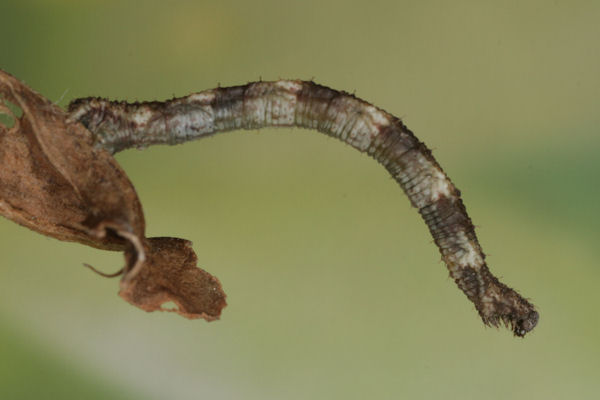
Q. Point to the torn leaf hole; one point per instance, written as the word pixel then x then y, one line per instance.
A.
pixel 9 113
pixel 169 306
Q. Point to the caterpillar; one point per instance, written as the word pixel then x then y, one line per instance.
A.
pixel 117 126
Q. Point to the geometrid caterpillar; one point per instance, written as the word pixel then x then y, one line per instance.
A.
pixel 118 126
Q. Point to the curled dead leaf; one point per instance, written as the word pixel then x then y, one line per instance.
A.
pixel 170 274
pixel 54 181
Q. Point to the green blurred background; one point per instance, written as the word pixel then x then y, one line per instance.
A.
pixel 335 288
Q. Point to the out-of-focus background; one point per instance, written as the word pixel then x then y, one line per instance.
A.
pixel 334 286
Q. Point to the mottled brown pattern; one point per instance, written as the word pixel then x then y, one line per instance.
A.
pixel 171 274
pixel 118 126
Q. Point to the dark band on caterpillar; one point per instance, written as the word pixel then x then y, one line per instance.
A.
pixel 119 125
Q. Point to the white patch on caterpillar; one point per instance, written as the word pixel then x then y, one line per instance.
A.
pixel 469 255
pixel 440 186
pixel 283 105
pixel 141 116
pixel 432 182
pixel 205 97
pixel 80 112
pixel 292 86
pixel 379 117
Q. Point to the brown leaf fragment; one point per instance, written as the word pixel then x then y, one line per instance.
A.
pixel 169 273
pixel 54 181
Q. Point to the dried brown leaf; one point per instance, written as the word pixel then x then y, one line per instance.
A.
pixel 53 180
pixel 170 274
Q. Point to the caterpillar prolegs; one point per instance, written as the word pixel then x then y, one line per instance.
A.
pixel 292 103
